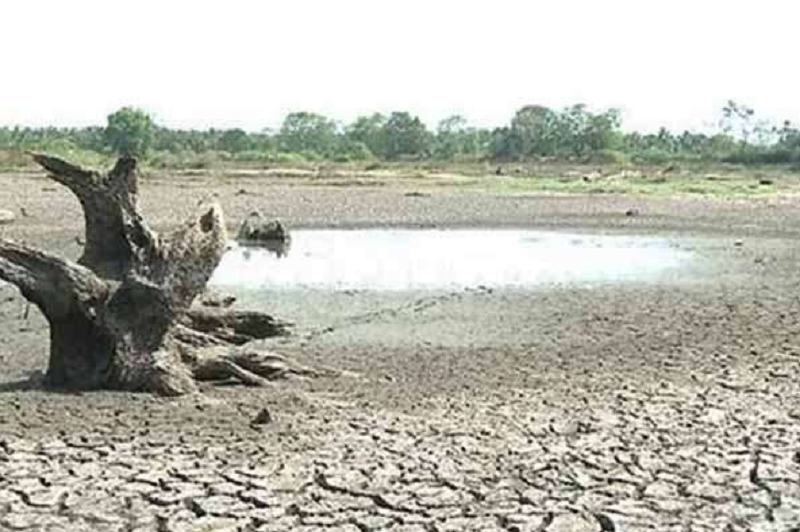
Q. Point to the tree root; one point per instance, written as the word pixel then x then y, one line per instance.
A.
pixel 122 317
pixel 237 327
pixel 251 366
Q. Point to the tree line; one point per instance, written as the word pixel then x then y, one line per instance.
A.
pixel 535 132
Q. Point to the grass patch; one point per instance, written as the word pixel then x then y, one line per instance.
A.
pixel 659 186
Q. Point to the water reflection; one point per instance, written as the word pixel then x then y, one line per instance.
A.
pixel 444 259
pixel 280 248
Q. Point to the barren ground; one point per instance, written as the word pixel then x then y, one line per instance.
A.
pixel 635 407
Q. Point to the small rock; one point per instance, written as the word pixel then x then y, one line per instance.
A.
pixel 257 229
pixel 632 212
pixel 766 181
pixel 738 243
pixel 264 417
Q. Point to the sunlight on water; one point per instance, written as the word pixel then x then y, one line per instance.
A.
pixel 378 259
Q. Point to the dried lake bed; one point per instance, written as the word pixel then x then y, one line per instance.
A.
pixel 667 402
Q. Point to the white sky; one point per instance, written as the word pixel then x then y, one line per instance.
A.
pixel 239 63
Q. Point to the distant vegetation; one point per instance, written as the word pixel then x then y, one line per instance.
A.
pixel 535 133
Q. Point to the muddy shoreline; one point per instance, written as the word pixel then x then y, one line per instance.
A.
pixel 667 406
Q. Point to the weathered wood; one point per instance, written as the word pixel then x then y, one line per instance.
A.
pixel 120 318
pixel 115 230
pixel 236 326
pixel 215 363
pixel 71 297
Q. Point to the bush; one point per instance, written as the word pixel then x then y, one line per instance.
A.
pixel 265 158
pixel 609 157
pixel 165 159
pixel 67 149
pixel 764 156
pixel 654 156
pixel 352 151
pixel 208 159
pixel 187 159
pixel 255 156
pixel 275 157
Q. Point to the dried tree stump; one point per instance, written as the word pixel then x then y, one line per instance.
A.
pixel 120 316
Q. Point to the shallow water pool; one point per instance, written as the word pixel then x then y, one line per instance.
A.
pixel 414 259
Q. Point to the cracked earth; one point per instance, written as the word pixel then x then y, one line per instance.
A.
pixel 670 406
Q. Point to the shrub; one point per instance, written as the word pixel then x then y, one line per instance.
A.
pixel 165 159
pixel 255 156
pixel 764 156
pixel 654 156
pixel 352 151
pixel 609 157
pixel 285 157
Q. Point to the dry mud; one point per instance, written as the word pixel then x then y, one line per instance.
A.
pixel 672 406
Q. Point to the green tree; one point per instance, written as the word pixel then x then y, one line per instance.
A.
pixel 536 129
pixel 570 131
pixel 505 145
pixel 602 131
pixel 789 136
pixel 303 131
pixel 738 120
pixel 455 138
pixel 129 131
pixel 406 136
pixel 368 130
pixel 352 150
pixel 235 141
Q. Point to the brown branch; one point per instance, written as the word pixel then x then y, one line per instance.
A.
pixel 186 259
pixel 251 366
pixel 55 285
pixel 191 338
pixel 77 179
pixel 235 326
pixel 116 233
pixel 246 377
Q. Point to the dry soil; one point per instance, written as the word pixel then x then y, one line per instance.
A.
pixel 670 406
